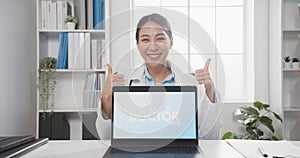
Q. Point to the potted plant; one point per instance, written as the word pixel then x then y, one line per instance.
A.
pixel 287 62
pixel 295 63
pixel 47 83
pixel 255 121
pixel 71 22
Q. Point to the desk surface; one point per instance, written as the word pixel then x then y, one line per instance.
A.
pixel 94 148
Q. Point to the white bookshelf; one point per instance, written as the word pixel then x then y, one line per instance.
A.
pixel 292 109
pixel 59 31
pixel 290 98
pixel 291 70
pixel 70 89
pixel 71 109
pixel 78 70
pixel 291 30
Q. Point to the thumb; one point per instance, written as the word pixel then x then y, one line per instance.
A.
pixel 109 69
pixel 207 63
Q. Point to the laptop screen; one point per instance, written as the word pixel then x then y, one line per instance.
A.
pixel 154 113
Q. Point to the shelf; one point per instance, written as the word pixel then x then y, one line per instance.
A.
pixel 75 31
pixel 72 109
pixel 291 109
pixel 100 33
pixel 291 69
pixel 79 71
pixel 291 30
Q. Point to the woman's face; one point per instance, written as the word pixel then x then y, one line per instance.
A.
pixel 154 43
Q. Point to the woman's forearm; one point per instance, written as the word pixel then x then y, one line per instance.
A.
pixel 106 106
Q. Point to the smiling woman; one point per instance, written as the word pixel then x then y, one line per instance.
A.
pixel 154 41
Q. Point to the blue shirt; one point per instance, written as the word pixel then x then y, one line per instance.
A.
pixel 168 81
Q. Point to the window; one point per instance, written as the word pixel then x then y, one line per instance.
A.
pixel 217 29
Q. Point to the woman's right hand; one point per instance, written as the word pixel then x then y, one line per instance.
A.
pixel 106 99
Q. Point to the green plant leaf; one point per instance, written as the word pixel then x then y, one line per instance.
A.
pixel 250 130
pixel 249 111
pixel 265 106
pixel 240 117
pixel 258 105
pixel 267 122
pixel 249 121
pixel 274 138
pixel 254 133
pixel 229 135
pixel 258 132
pixel 277 116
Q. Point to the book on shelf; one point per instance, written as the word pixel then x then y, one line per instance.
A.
pixel 62 59
pixel 92 90
pixel 43 12
pixel 83 52
pixel 94 43
pixel 60 51
pixel 90 13
pixel 71 50
pixel 102 52
pixel 99 17
pixel 53 16
pixel 80 12
pixel 64 9
pixel 98 50
pixel 48 16
pixel 54 13
pixel 87 50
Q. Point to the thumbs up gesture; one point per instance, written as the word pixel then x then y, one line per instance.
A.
pixel 203 77
pixel 112 80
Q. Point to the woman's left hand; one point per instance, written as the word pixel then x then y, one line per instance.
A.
pixel 203 77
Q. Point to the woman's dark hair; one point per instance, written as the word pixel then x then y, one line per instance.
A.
pixel 157 18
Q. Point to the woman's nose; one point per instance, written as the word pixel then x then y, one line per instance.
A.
pixel 153 46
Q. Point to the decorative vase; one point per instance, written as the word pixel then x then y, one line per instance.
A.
pixel 287 65
pixel 71 26
pixel 295 65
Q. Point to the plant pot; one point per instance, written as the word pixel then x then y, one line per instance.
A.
pixel 71 26
pixel 295 65
pixel 287 65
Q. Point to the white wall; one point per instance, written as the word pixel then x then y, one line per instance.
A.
pixel 261 51
pixel 17 67
pixel 275 36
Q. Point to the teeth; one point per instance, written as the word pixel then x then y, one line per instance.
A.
pixel 153 55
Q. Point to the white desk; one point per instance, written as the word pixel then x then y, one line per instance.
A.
pixel 93 148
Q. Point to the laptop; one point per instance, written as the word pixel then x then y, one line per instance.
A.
pixel 154 121
pixel 16 146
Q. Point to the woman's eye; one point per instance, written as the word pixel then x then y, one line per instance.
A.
pixel 161 38
pixel 145 40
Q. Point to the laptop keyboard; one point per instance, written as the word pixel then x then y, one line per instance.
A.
pixel 153 149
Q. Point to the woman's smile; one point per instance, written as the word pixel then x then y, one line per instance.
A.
pixel 154 56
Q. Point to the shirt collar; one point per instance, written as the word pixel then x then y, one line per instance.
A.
pixel 170 77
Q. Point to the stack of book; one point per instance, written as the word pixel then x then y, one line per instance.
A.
pixel 92 91
pixel 79 51
pixel 90 13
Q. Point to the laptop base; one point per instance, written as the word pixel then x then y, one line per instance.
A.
pixel 111 153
